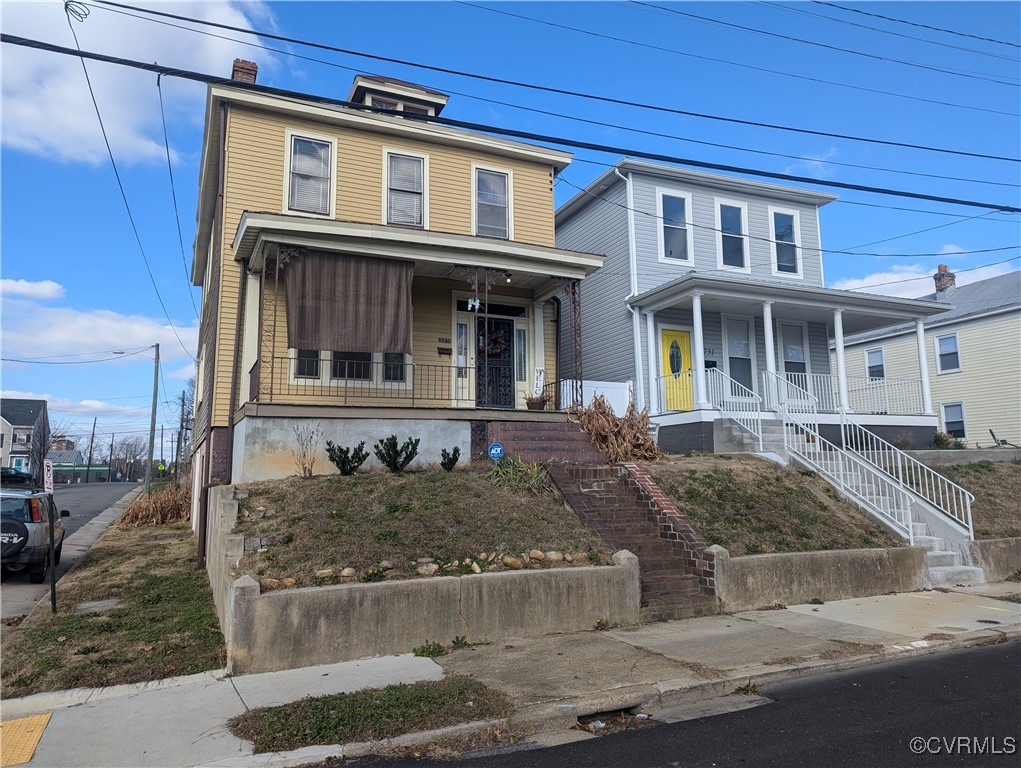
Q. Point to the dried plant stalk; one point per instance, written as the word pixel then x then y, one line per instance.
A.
pixel 623 438
pixel 165 507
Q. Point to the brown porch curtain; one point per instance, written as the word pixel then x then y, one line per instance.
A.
pixel 348 303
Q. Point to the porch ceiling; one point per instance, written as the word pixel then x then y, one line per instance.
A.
pixel 743 296
pixel 540 269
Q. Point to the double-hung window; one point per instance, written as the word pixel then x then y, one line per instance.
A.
pixel 675 232
pixel 310 182
pixel 351 365
pixel 948 357
pixel 739 352
pixel 875 363
pixel 307 364
pixel 492 203
pixel 953 419
pixel 785 242
pixel 405 190
pixel 731 237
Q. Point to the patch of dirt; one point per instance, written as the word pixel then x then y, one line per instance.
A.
pixel 846 650
pixel 938 636
pixel 786 661
pixel 702 671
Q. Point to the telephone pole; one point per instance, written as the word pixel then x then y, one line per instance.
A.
pixel 88 464
pixel 109 469
pixel 152 420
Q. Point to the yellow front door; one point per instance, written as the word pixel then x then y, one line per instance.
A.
pixel 675 349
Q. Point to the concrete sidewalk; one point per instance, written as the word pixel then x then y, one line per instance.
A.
pixel 551 680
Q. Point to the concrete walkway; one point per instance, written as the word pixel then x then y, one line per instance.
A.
pixel 551 680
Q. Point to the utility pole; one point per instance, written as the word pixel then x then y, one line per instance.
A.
pixel 109 468
pixel 173 472
pixel 88 464
pixel 152 420
pixel 162 462
pixel 180 441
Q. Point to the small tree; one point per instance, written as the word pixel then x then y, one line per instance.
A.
pixel 347 460
pixel 448 460
pixel 307 436
pixel 396 459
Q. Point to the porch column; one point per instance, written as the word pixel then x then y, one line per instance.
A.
pixel 539 346
pixel 923 368
pixel 650 327
pixel 700 383
pixel 838 335
pixel 767 332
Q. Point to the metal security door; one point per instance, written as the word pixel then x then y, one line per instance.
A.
pixel 494 361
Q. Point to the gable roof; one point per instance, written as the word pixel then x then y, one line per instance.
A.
pixel 992 295
pixel 69 458
pixel 21 413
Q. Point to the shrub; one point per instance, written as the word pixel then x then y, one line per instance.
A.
pixel 347 460
pixel 394 458
pixel 943 441
pixel 307 437
pixel 515 475
pixel 448 460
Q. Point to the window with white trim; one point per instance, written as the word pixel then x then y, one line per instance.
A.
pixel 948 356
pixel 372 368
pixel 405 190
pixel 875 363
pixel 953 419
pixel 675 234
pixel 739 352
pixel 310 169
pixel 492 203
pixel 731 238
pixel 785 241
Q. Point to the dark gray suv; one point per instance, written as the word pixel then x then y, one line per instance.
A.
pixel 25 514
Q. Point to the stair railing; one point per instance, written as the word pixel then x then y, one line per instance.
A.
pixel 735 401
pixel 873 489
pixel 948 497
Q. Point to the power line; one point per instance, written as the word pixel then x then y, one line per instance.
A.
pixel 482 128
pixel 756 68
pixel 920 231
pixel 530 86
pixel 917 24
pixel 845 201
pixel 817 44
pixel 956 271
pixel 73 10
pixel 588 121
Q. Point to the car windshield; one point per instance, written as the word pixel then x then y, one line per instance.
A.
pixel 14 509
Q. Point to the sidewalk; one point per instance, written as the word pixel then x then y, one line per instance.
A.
pixel 551 680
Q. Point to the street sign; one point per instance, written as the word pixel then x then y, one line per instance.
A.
pixel 48 476
pixel 161 467
pixel 495 451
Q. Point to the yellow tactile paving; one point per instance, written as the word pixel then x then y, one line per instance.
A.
pixel 19 738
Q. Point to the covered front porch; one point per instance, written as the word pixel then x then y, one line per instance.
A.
pixel 716 346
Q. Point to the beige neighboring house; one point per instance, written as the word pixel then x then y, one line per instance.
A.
pixel 974 357
pixel 366 272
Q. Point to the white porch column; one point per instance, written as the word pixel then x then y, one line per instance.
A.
pixel 650 327
pixel 538 343
pixel 701 401
pixel 923 368
pixel 767 333
pixel 838 336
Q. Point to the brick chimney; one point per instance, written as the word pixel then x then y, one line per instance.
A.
pixel 244 71
pixel 945 281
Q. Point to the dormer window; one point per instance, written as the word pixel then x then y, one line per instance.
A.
pixel 390 95
pixel 391 106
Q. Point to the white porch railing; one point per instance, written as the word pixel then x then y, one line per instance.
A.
pixel 735 401
pixel 943 494
pixel 865 394
pixel 874 489
pixel 676 391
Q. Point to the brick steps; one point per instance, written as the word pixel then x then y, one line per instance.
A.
pixel 607 502
pixel 546 442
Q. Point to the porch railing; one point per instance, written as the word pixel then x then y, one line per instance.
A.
pixel 940 492
pixel 676 391
pixel 865 394
pixel 735 401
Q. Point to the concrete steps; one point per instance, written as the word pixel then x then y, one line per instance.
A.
pixel 945 567
pixel 546 442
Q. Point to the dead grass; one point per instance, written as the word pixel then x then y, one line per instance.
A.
pixel 166 505
pixel 845 650
pixel 332 522
pixel 752 506
pixel 164 624
pixel 997 487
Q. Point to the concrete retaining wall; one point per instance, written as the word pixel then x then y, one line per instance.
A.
pixel 756 581
pixel 966 456
pixel 999 558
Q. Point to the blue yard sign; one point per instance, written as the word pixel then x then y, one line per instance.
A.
pixel 495 451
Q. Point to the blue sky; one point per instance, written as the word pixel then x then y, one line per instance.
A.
pixel 75 285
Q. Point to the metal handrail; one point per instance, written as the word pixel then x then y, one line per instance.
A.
pixel 876 491
pixel 940 492
pixel 735 401
pixel 677 391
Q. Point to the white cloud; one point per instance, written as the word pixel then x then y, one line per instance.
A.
pixel 32 330
pixel 42 289
pixel 814 165
pixel 71 415
pixel 46 104
pixel 183 373
pixel 950 249
pixel 913 281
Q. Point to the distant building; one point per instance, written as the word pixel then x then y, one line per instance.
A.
pixel 25 424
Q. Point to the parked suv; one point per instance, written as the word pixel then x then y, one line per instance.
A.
pixel 25 515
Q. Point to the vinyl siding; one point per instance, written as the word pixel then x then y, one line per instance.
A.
pixel 989 380
pixel 606 338
pixel 652 272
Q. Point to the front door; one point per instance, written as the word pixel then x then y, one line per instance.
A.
pixel 494 361
pixel 675 349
